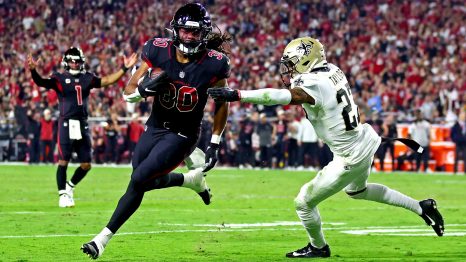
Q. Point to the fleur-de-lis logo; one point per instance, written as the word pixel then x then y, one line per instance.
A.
pixel 298 81
pixel 304 48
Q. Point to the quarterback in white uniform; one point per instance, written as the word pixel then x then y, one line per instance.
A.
pixel 323 91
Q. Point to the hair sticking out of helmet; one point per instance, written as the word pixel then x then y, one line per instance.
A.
pixel 191 26
pixel 73 60
pixel 302 55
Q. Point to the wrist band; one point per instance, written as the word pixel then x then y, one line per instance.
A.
pixel 124 68
pixel 215 139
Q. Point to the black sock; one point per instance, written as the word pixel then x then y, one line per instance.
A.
pixel 127 205
pixel 169 180
pixel 61 177
pixel 78 175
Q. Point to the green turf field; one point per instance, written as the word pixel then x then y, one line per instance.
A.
pixel 252 218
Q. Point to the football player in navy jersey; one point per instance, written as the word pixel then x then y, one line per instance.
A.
pixel 73 88
pixel 183 68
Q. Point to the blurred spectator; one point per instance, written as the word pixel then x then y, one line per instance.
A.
pixel 246 154
pixel 419 131
pixel 293 147
pixel 112 129
pixel 266 133
pixel 134 132
pixel 309 145
pixel 280 137
pixel 4 140
pixel 47 125
pixel 388 130
pixel 33 130
pixel 458 136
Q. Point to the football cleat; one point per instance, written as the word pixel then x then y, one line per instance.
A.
pixel 310 251
pixel 93 249
pixel 65 200
pixel 432 216
pixel 69 190
pixel 195 179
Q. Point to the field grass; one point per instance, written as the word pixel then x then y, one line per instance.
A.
pixel 174 225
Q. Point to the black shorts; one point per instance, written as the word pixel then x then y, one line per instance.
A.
pixel 66 145
pixel 158 152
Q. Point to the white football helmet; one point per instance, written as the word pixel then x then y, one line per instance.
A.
pixel 300 56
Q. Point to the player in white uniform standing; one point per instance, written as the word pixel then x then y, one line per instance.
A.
pixel 323 91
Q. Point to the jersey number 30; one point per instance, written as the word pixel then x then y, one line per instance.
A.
pixel 185 98
pixel 350 112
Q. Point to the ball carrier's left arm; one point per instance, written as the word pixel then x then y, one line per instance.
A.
pixel 220 120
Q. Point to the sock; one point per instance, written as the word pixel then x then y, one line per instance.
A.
pixel 169 180
pixel 103 237
pixel 78 175
pixel 127 205
pixel 71 184
pixel 310 218
pixel 61 192
pixel 382 194
pixel 61 177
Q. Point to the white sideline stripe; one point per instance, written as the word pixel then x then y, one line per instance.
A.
pixel 388 231
pixel 143 210
pixel 156 232
pixel 273 224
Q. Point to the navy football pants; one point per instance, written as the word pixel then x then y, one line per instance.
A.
pixel 158 152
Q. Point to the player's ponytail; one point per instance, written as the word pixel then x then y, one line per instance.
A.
pixel 219 41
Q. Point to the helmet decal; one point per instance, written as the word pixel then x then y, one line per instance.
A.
pixel 304 48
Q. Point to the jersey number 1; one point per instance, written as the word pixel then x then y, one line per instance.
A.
pixel 79 94
pixel 350 112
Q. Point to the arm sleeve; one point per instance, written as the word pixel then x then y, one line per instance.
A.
pixel 266 96
pixel 49 83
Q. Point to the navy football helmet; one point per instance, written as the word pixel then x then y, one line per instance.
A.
pixel 192 16
pixel 74 54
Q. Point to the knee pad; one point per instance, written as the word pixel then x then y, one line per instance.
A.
pixel 357 194
pixel 302 200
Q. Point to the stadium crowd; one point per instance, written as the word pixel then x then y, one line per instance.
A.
pixel 399 56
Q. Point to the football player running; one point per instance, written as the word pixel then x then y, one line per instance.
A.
pixel 177 72
pixel 323 91
pixel 73 88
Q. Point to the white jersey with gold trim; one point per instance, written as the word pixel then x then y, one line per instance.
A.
pixel 335 116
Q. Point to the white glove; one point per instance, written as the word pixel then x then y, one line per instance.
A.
pixel 133 98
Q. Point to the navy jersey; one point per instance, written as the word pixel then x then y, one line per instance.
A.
pixel 180 106
pixel 73 92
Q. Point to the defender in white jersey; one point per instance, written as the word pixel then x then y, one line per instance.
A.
pixel 323 91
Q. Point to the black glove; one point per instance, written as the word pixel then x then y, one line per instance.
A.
pixel 223 94
pixel 211 156
pixel 152 83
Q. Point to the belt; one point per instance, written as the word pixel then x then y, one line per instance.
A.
pixel 176 129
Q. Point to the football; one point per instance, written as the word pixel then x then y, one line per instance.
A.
pixel 152 73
